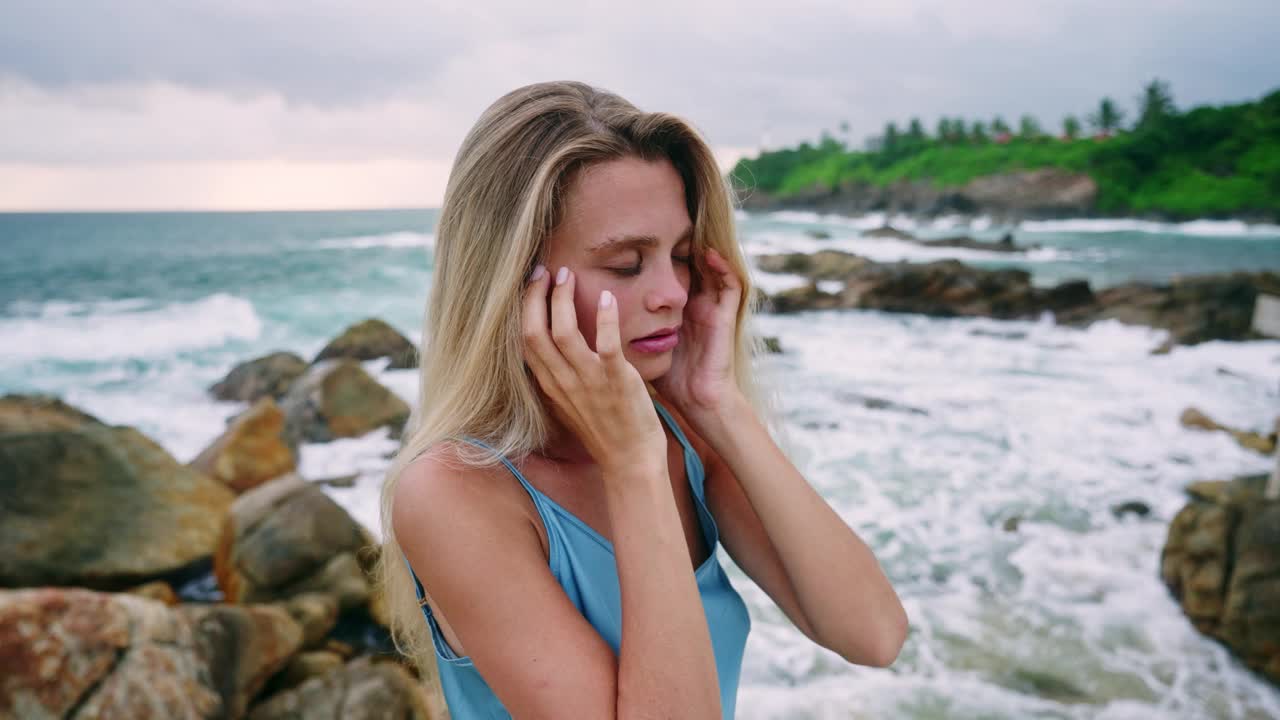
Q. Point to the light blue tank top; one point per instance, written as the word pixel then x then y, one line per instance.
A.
pixel 583 562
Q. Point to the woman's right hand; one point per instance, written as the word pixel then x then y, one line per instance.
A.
pixel 598 395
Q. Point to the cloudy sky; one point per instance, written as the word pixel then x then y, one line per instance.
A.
pixel 249 105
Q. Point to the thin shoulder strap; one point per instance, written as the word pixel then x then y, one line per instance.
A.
pixel 675 427
pixel 692 462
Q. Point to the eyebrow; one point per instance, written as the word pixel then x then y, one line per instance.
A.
pixel 630 241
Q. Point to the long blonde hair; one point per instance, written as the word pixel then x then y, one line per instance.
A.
pixel 505 194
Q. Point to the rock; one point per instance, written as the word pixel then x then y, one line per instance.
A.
pixel 1222 563
pixel 1012 523
pixel 157 590
pixel 267 376
pixel 1192 309
pixel 363 689
pixel 887 231
pixel 771 344
pixel 822 265
pixel 1131 507
pixel 371 339
pixel 40 413
pixel 808 297
pixel 287 537
pixel 316 614
pixel 336 399
pixel 251 451
pixel 342 481
pixel 1257 442
pixel 877 403
pixel 818 234
pixel 100 655
pixel 303 667
pixel 969 243
pixel 137 513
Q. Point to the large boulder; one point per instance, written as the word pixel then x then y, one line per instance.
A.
pixel 84 654
pixel 267 376
pixel 371 339
pixel 338 399
pixel 363 689
pixel 40 413
pixel 251 451
pixel 103 507
pixel 1222 563
pixel 286 538
pixel 1258 442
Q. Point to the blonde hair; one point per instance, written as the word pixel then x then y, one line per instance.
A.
pixel 505 194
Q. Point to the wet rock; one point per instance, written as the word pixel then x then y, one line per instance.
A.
pixel 772 344
pixel 807 297
pixel 1131 507
pixel 888 231
pixel 286 538
pixel 101 655
pixel 40 413
pixel 1222 562
pixel 818 234
pixel 337 399
pixel 267 376
pixel 251 451
pixel 363 689
pixel 137 513
pixel 1257 442
pixel 371 339
pixel 822 265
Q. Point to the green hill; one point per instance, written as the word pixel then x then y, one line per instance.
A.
pixel 1206 162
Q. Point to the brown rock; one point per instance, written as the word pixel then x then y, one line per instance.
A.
pixel 316 614
pixel 267 376
pixel 1257 442
pixel 303 667
pixel 285 538
pixel 40 413
pixel 371 339
pixel 363 689
pixel 159 590
pixel 1222 562
pixel 137 513
pixel 122 656
pixel 251 451
pixel 337 399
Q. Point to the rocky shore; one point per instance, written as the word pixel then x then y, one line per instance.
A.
pixel 1192 309
pixel 135 586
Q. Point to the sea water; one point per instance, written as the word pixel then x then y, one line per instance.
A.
pixel 981 460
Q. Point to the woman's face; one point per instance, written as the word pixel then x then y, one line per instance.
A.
pixel 626 230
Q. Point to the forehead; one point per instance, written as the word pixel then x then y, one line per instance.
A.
pixel 622 197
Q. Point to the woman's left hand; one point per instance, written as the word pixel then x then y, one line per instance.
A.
pixel 701 379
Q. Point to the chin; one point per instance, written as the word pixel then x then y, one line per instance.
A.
pixel 651 367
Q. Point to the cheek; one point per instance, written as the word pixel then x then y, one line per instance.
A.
pixel 585 300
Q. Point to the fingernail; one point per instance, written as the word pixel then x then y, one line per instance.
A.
pixel 606 299
pixel 562 275
pixel 538 272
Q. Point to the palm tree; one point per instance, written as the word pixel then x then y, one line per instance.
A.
pixel 1029 127
pixel 1070 127
pixel 1155 104
pixel 1108 118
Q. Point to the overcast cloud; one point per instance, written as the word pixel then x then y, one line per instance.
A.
pixel 232 104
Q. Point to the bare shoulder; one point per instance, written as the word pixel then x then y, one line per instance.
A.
pixel 480 558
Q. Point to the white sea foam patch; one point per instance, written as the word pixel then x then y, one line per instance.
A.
pixel 1212 228
pixel 127 329
pixel 388 240
pixel 888 249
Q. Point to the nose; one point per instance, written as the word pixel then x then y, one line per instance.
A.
pixel 670 288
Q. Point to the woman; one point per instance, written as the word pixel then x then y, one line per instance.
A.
pixel 588 431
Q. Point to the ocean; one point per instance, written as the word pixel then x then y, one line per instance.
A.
pixel 927 435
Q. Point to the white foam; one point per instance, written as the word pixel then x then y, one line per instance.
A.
pixel 1209 228
pixel 389 240
pixel 127 329
pixel 888 249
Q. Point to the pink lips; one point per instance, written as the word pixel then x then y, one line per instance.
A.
pixel 657 343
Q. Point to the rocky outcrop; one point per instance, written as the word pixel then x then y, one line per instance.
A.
pixel 251 451
pixel 338 399
pixel 286 538
pixel 371 339
pixel 1045 192
pixel 362 690
pixel 1006 243
pixel 103 507
pixel 1257 442
pixel 73 653
pixel 40 413
pixel 1222 563
pixel 268 376
pixel 1192 310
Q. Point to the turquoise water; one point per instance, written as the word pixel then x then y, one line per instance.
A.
pixel 132 315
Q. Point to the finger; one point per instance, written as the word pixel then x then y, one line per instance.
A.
pixel 540 352
pixel 608 338
pixel 564 321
